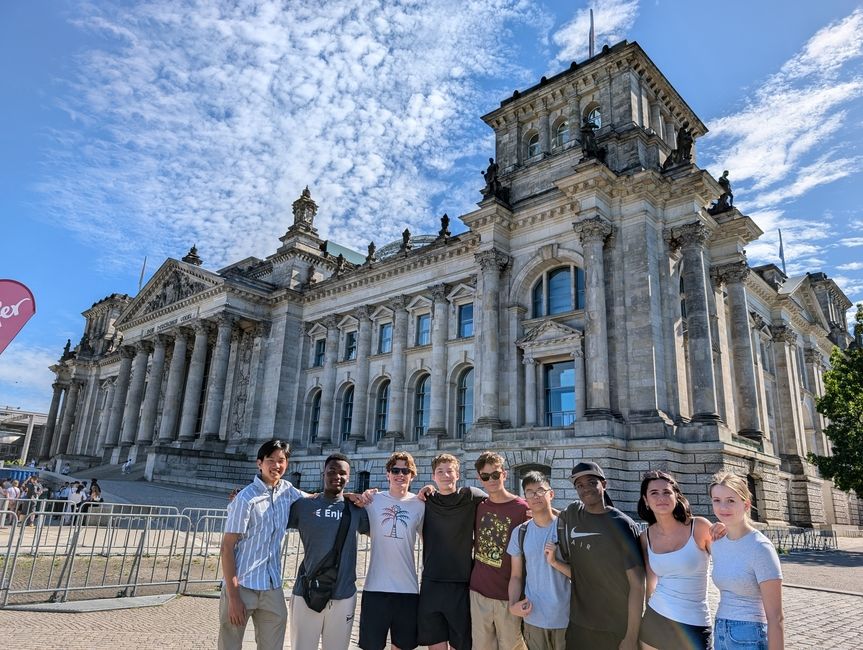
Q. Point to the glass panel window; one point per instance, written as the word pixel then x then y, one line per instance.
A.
pixel 561 134
pixel 382 405
pixel 423 329
pixel 595 116
pixel 350 346
pixel 533 146
pixel 347 412
pixel 579 288
pixel 559 295
pixel 315 417
pixel 385 338
pixel 320 351
pixel 559 394
pixel 422 403
pixel 465 320
pixel 363 481
pixel 538 290
pixel 464 403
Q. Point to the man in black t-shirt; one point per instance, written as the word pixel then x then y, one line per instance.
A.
pixel 601 545
pixel 444 603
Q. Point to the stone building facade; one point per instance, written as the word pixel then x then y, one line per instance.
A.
pixel 598 305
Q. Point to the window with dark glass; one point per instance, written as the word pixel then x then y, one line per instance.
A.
pixel 385 338
pixel 382 405
pixel 558 291
pixel 315 418
pixel 464 403
pixel 561 134
pixel 595 116
pixel 533 146
pixel 465 320
pixel 320 351
pixel 422 403
pixel 363 481
pixel 350 346
pixel 347 412
pixel 423 329
pixel 559 393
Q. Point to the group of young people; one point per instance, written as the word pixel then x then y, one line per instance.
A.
pixel 498 571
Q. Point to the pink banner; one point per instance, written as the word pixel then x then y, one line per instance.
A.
pixel 17 306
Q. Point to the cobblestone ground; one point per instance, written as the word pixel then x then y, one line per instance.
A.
pixel 814 619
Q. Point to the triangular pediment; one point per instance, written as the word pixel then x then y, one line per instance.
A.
pixel 549 331
pixel 800 291
pixel 172 285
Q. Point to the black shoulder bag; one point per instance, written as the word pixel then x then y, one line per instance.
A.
pixel 319 583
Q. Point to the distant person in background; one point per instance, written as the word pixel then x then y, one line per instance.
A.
pixel 66 468
pixel 73 502
pixel 126 466
pixel 94 498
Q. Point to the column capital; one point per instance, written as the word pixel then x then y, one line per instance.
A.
pixel 58 385
pixel 783 334
pixel 145 347
pixel 439 291
pixel 593 229
pixel 814 357
pixel 492 260
pixel 732 273
pixel 127 351
pixel 160 340
pixel 577 353
pixel 362 313
pixel 180 333
pixel 201 327
pixel 330 322
pixel 529 361
pixel 262 329
pixel 689 234
pixel 397 303
pixel 758 321
pixel 225 320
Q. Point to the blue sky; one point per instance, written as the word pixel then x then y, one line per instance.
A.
pixel 138 129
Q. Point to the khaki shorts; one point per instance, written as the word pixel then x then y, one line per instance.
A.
pixel 268 612
pixel 492 626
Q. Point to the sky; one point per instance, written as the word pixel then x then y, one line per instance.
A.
pixel 133 130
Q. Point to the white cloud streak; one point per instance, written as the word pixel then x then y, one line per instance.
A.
pixel 25 379
pixel 612 20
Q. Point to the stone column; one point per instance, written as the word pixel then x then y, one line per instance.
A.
pixel 361 386
pixel 69 415
pixel 814 369
pixel 218 378
pixel 112 438
pixel 580 383
pixel 440 325
pixel 257 362
pixel 544 135
pixel 135 394
pixel 51 422
pixel 491 262
pixel 25 449
pixel 788 415
pixel 154 389
pixel 174 387
pixel 691 238
pixel 194 383
pixel 593 232
pixel 236 337
pixel 105 417
pixel 326 430
pixel 734 276
pixel 530 396
pixel 396 419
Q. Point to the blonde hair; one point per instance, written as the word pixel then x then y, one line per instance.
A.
pixel 445 458
pixel 733 482
pixel 402 455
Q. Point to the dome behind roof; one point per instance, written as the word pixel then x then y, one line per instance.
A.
pixel 391 249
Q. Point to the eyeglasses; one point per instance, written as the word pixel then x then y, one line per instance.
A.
pixel 400 470
pixel 539 492
pixel 490 477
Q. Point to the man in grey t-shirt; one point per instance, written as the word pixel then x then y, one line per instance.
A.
pixel 317 519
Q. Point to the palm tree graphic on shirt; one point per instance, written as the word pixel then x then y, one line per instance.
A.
pixel 397 516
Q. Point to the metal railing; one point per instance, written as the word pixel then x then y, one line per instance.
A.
pixel 801 539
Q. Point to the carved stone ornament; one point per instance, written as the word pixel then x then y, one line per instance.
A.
pixel 127 351
pixel 331 321
pixel 439 292
pixel 305 209
pixel 593 229
pixel 363 312
pixel 492 260
pixel 689 234
pixel 731 273
pixel 444 232
pixel 757 321
pixel 783 334
pixel 397 302
pixel 177 286
pixel 192 257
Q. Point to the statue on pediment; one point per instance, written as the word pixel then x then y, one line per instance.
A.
pixel 340 264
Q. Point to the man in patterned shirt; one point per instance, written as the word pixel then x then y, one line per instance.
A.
pixel 251 554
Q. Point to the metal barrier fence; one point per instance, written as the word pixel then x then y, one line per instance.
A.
pixel 802 539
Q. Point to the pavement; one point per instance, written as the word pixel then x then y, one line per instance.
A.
pixel 822 594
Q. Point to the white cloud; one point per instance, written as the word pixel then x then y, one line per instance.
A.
pixel 202 123
pixel 612 20
pixel 851 241
pixel 25 380
pixel 851 266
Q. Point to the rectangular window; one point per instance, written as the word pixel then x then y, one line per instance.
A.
pixel 559 394
pixel 320 350
pixel 465 320
pixel 423 329
pixel 385 338
pixel 350 346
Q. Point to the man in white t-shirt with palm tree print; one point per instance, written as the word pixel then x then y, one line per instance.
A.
pixel 390 594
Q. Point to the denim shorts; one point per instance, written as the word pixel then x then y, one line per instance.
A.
pixel 729 635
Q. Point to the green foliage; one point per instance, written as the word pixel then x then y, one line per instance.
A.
pixel 842 404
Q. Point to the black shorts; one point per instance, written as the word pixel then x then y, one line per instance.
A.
pixel 578 638
pixel 382 612
pixel 444 614
pixel 661 632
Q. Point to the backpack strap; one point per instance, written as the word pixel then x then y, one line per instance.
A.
pixel 562 538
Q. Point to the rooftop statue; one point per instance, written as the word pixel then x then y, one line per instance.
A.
pixel 726 199
pixel 444 232
pixel 406 241
pixel 493 187
pixel 589 147
pixel 682 153
pixel 371 256
pixel 340 264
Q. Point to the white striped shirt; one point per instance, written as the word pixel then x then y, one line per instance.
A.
pixel 260 515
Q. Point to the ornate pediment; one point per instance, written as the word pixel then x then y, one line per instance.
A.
pixel 550 337
pixel 172 284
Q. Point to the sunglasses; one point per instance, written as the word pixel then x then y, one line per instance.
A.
pixel 400 470
pixel 490 477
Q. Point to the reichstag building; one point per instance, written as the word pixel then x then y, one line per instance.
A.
pixel 599 305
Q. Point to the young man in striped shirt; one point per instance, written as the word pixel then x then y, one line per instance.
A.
pixel 251 554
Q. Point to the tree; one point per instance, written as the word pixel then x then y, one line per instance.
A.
pixel 842 405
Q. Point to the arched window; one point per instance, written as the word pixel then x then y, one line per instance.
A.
pixel 382 405
pixel 558 291
pixel 464 403
pixel 315 418
pixel 561 134
pixel 595 116
pixel 533 145
pixel 422 403
pixel 347 412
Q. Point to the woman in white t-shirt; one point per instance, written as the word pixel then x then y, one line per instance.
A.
pixel 746 570
pixel 676 549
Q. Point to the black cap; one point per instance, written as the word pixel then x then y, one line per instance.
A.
pixel 586 468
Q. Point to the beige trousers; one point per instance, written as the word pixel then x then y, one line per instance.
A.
pixel 331 627
pixel 492 626
pixel 539 638
pixel 268 612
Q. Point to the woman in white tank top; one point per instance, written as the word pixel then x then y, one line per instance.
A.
pixel 676 549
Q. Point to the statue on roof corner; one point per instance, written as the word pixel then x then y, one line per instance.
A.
pixel 589 148
pixel 371 256
pixel 340 264
pixel 444 232
pixel 406 241
pixel 726 199
pixel 493 187
pixel 682 153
